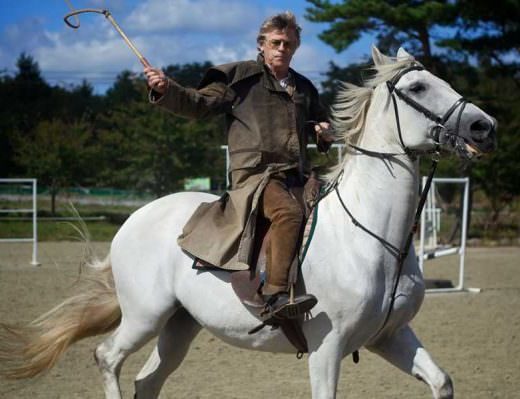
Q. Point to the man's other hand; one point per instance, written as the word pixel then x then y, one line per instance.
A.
pixel 324 132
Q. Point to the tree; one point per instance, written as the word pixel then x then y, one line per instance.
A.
pixel 56 153
pixel 395 23
pixel 467 27
pixel 6 120
pixel 149 149
pixel 23 101
pixel 188 75
pixel 81 103
pixel 28 71
pixel 497 175
pixel 352 73
pixel 124 90
pixel 489 31
pixel 30 93
pixel 156 151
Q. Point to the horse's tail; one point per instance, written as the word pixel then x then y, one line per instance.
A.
pixel 26 351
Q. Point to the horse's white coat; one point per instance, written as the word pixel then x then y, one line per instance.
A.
pixel 350 272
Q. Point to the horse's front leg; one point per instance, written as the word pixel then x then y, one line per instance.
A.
pixel 404 350
pixel 324 365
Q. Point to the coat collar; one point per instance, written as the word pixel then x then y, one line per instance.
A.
pixel 270 81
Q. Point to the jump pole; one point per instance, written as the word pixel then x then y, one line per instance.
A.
pixel 461 251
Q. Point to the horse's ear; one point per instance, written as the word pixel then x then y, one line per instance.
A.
pixel 379 58
pixel 402 54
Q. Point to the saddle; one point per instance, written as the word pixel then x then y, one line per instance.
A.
pixel 248 283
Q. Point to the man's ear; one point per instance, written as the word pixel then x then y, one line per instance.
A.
pixel 260 47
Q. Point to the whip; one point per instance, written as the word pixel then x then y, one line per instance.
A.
pixel 108 15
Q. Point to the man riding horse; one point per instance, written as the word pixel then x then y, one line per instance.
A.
pixel 270 111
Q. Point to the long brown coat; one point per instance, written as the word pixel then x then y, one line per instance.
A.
pixel 267 133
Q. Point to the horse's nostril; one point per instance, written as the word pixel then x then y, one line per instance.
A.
pixel 482 126
pixel 480 130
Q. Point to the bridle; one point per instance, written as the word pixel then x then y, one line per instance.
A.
pixel 440 135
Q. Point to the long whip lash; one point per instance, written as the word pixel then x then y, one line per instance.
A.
pixel 74 13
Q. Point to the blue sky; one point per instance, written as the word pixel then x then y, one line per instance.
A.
pixel 165 31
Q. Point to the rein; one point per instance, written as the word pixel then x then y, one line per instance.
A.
pixel 399 253
pixel 402 253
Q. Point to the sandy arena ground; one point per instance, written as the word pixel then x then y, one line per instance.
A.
pixel 474 337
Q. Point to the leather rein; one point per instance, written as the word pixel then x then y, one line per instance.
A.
pixel 439 135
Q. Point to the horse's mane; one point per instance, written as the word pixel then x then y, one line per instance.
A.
pixel 351 105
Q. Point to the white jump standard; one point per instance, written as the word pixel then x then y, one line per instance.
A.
pixel 34 238
pixel 431 218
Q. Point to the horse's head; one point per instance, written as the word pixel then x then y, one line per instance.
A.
pixel 427 114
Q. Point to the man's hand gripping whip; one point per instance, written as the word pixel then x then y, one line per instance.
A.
pixel 106 13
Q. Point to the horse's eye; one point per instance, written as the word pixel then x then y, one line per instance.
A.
pixel 417 88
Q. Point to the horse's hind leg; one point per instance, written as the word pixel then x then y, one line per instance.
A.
pixel 404 350
pixel 172 346
pixel 112 352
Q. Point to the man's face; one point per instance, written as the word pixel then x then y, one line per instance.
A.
pixel 278 48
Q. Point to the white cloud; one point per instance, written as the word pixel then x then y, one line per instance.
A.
pixel 84 55
pixel 221 54
pixel 193 15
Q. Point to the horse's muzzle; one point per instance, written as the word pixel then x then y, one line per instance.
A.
pixel 482 136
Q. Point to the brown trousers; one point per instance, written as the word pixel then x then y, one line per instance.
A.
pixel 286 215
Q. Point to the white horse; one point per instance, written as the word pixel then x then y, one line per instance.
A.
pixel 351 268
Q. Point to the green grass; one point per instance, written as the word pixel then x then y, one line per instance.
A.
pixel 59 230
pixel 63 206
pixel 49 230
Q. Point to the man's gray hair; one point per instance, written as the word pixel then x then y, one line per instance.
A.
pixel 282 22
